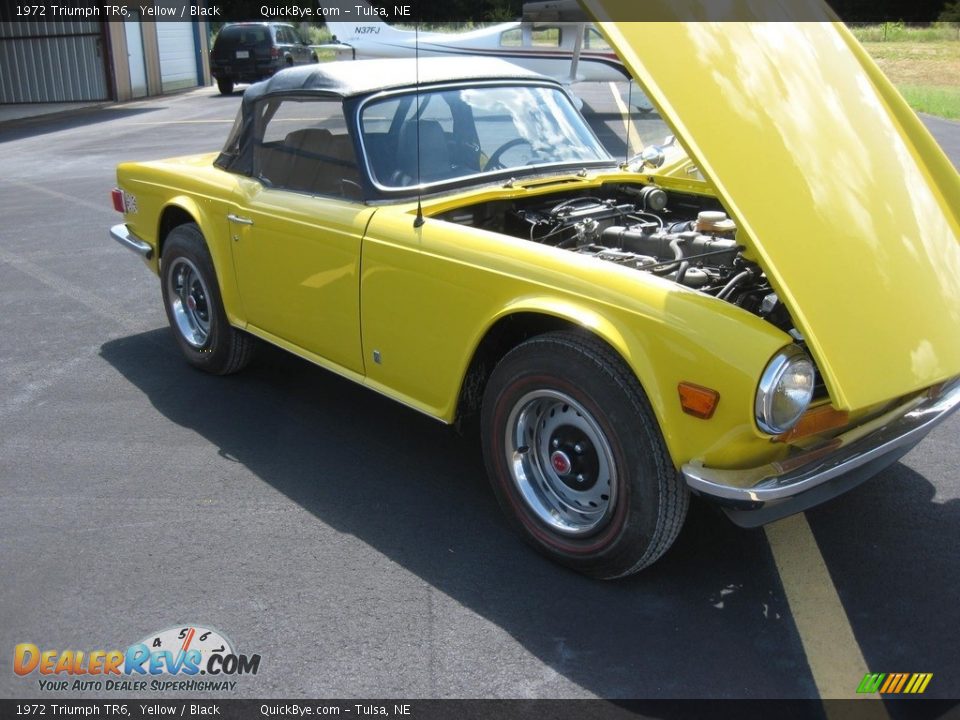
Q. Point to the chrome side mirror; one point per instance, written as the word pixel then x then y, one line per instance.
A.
pixel 652 156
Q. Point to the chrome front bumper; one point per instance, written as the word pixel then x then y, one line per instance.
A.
pixel 759 495
pixel 122 235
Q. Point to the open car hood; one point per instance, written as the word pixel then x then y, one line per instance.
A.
pixel 838 190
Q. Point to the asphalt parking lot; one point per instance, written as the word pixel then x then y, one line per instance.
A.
pixel 353 543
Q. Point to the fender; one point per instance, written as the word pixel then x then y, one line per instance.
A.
pixel 630 351
pixel 216 232
pixel 641 346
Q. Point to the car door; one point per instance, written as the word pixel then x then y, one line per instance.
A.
pixel 291 43
pixel 297 232
pixel 300 51
pixel 280 40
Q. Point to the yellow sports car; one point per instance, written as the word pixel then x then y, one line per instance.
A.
pixel 764 312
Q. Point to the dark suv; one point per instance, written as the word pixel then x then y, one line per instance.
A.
pixel 248 52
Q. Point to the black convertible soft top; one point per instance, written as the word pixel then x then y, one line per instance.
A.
pixel 360 77
pixel 351 78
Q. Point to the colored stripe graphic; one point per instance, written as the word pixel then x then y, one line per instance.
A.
pixel 918 683
pixel 871 683
pixel 893 683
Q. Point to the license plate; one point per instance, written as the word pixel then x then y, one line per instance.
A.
pixel 241 54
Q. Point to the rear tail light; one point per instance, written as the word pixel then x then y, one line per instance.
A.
pixel 274 52
pixel 118 204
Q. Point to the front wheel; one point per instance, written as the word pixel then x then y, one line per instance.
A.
pixel 576 457
pixel 225 86
pixel 194 308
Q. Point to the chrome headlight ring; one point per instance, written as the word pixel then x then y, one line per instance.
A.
pixel 785 390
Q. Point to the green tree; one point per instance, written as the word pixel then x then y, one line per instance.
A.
pixel 951 12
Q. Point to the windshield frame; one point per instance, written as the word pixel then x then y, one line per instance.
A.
pixel 474 179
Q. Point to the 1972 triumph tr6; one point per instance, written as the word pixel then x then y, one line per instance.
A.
pixel 764 313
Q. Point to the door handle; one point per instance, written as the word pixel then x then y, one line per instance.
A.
pixel 239 220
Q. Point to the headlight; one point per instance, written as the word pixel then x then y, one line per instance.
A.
pixel 785 391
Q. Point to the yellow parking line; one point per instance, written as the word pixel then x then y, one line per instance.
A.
pixel 835 659
pixel 635 144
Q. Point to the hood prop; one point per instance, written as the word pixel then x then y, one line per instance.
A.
pixel 626 142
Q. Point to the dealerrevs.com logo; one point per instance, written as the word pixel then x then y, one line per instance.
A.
pixel 173 659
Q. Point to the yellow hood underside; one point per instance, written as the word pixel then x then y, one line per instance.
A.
pixel 838 190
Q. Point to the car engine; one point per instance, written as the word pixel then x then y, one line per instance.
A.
pixel 681 237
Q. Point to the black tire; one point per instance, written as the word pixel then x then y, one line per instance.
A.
pixel 191 298
pixel 314 58
pixel 575 388
pixel 225 86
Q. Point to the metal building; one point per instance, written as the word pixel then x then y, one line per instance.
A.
pixel 90 61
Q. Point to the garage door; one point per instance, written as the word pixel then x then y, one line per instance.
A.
pixel 52 62
pixel 178 55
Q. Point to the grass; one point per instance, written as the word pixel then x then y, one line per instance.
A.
pixel 923 62
pixel 899 32
pixel 941 101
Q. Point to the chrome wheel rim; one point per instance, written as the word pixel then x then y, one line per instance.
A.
pixel 189 302
pixel 561 462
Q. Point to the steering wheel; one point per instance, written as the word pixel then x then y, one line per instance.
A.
pixel 494 162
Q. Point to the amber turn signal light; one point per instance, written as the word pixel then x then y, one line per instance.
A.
pixel 697 400
pixel 815 421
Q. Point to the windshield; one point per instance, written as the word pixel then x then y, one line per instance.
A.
pixel 473 132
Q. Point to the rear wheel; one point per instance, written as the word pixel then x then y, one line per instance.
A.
pixel 225 86
pixel 576 458
pixel 194 308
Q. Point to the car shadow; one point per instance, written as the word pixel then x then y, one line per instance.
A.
pixel 893 553
pixel 712 609
pixel 71 120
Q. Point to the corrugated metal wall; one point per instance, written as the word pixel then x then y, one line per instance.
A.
pixel 52 62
